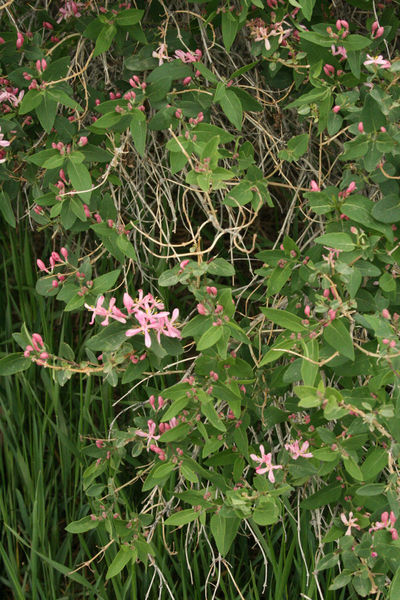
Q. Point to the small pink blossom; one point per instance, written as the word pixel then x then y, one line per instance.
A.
pixel 296 451
pixel 265 459
pixel 314 186
pixel 350 523
pixel 377 61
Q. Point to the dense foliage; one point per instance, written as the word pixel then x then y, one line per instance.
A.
pixel 211 192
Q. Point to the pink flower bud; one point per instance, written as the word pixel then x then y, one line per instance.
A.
pixel 352 187
pixel 184 263
pixel 187 80
pixel 332 314
pixel 178 113
pixel 385 341
pixel 326 293
pixel 314 186
pixel 354 230
pixel 86 210
pixel 161 402
pixel 20 40
pixel 152 402
pixel 47 25
pixel 41 265
pixel 329 70
pixel 336 108
pixel 64 252
pixel 54 283
pixel 37 341
pixel 201 309
pixel 392 344
pixel 99 443
pixel 307 310
pixel 44 355
pixel 82 141
pixel 385 313
pixel 360 127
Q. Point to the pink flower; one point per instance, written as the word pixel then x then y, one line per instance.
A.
pixel 377 61
pixel 82 141
pixel 385 313
pixel 184 263
pixel 3 143
pixel 161 53
pixel 307 310
pixel 296 451
pixel 360 127
pixel 350 523
pixel 112 312
pixel 265 459
pixel 336 109
pixel 314 186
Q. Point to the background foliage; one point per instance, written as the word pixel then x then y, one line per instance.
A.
pixel 200 364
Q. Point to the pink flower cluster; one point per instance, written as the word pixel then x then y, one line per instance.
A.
pixel 36 346
pixel 53 260
pixel 147 311
pixel 70 9
pixel 387 522
pixel 9 94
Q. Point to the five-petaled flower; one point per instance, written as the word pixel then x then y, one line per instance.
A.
pixel 265 459
pixel 296 450
pixel 378 61
pixel 350 523
pixel 111 312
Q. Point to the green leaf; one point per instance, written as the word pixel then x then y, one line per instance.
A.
pixel 168 278
pixel 266 512
pixel 109 339
pixel 308 396
pixel 207 74
pixel 307 7
pixel 341 580
pixel 224 531
pixel 106 282
pixel 276 352
pixel 182 517
pixel 338 336
pixel 104 39
pixel 229 26
pixel 81 526
pixel 138 130
pixel 394 590
pixel 284 318
pixel 326 495
pixel 278 278
pixel 129 16
pixel 80 179
pixel 14 363
pixel 208 410
pixel 339 241
pixel 220 266
pixel 175 408
pixel 371 489
pixel 209 338
pixel 356 42
pixel 58 95
pixel 120 561
pixel 387 210
pixel 46 112
pixel 232 108
pixel 352 468
pixel 6 210
pixel 30 101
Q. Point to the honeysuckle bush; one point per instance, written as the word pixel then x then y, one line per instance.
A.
pixel 216 185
